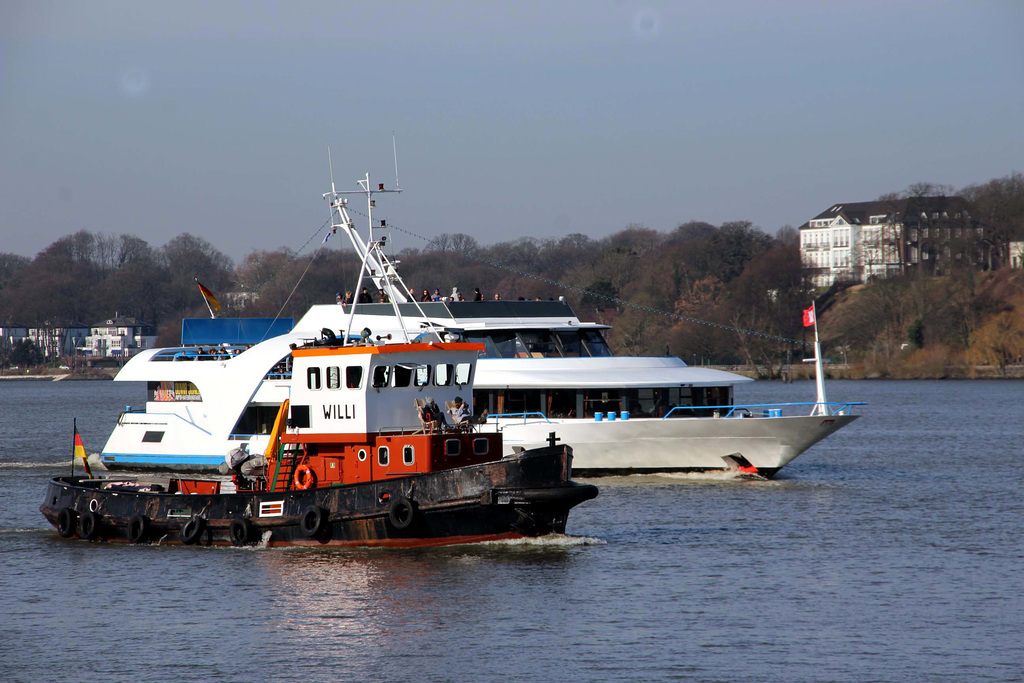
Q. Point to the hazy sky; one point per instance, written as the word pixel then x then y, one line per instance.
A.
pixel 513 119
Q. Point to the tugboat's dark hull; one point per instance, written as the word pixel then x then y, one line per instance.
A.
pixel 526 495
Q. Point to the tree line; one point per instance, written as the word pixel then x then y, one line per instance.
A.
pixel 747 287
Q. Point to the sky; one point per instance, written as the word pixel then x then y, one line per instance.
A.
pixel 514 119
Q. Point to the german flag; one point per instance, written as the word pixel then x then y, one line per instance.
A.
pixel 211 300
pixel 80 452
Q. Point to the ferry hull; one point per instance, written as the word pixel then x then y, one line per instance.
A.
pixel 648 446
pixel 528 495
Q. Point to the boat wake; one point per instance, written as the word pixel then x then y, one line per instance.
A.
pixel 35 465
pixel 549 541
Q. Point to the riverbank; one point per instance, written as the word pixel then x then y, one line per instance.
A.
pixel 901 371
pixel 57 376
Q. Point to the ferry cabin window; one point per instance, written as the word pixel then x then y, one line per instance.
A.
pixel 382 456
pixel 256 420
pixel 403 375
pixel 490 350
pixel 422 376
pixel 354 376
pixel 408 455
pixel 333 377
pixel 462 373
pixel 600 401
pixel 538 343
pixel 381 375
pixel 443 373
pixel 313 378
pixel 560 403
pixel 594 343
pixel 570 343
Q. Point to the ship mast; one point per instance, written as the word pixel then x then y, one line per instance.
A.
pixel 375 263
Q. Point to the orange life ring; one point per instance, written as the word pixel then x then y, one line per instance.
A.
pixel 305 478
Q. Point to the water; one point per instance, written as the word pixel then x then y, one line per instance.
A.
pixel 890 552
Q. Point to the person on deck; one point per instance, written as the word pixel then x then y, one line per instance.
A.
pixel 364 296
pixel 426 296
pixel 477 296
pixel 460 412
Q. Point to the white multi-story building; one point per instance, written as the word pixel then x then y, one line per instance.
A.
pixel 858 241
pixel 119 337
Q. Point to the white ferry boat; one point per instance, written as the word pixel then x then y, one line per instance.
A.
pixel 542 370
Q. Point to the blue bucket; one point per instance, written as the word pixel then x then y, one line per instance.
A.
pixel 611 416
pixel 598 417
pixel 624 414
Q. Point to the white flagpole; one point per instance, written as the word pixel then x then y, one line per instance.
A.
pixel 821 408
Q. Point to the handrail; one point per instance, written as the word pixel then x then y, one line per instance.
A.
pixel 843 409
pixel 498 416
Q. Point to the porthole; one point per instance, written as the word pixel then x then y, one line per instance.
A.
pixel 361 455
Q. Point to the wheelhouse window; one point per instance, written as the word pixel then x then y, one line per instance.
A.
pixel 313 378
pixel 354 376
pixel 383 456
pixel 421 378
pixel 462 373
pixel 403 375
pixel 381 375
pixel 539 343
pixel 333 377
pixel 408 455
pixel 570 343
pixel 443 373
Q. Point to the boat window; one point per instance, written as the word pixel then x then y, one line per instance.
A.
pixel 480 446
pixel 381 375
pixel 570 343
pixel 353 376
pixel 152 437
pixel 539 343
pixel 561 403
pixel 443 374
pixel 361 455
pixel 408 455
pixel 333 377
pixel 403 375
pixel 299 416
pixel 452 447
pixel 600 401
pixel 422 377
pixel 313 378
pixel 382 456
pixel 594 343
pixel 462 373
pixel 490 350
pixel 507 345
pixel 173 391
pixel 256 420
pixel 646 402
pixel 519 401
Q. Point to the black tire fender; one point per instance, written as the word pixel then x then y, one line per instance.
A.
pixel 89 525
pixel 67 522
pixel 401 512
pixel 138 529
pixel 313 520
pixel 193 530
pixel 242 532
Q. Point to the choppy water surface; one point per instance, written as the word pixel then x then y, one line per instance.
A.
pixel 891 552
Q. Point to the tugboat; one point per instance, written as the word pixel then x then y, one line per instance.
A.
pixel 360 453
pixel 355 459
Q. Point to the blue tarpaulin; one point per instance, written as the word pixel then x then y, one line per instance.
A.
pixel 210 331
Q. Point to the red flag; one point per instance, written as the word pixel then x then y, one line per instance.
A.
pixel 809 317
pixel 211 300
pixel 80 453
